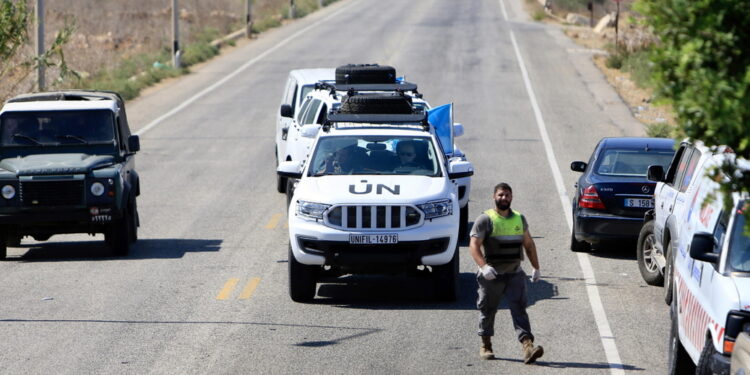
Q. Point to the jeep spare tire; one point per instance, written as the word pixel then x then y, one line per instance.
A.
pixel 377 104
pixel 352 74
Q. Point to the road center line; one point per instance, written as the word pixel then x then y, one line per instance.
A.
pixel 228 288
pixel 600 315
pixel 274 221
pixel 250 288
pixel 237 71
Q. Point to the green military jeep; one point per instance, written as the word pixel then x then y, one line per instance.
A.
pixel 67 165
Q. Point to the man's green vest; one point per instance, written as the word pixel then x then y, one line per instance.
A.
pixel 505 244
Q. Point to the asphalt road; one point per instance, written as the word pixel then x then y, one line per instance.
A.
pixel 205 287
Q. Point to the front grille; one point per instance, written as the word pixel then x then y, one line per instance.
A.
pixel 375 217
pixel 51 193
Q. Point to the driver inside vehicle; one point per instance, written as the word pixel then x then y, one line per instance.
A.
pixel 407 154
pixel 345 160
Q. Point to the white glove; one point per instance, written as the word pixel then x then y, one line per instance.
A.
pixel 535 275
pixel 488 272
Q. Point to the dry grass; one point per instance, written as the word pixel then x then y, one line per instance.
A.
pixel 110 31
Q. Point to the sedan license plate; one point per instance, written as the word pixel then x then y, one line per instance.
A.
pixel 368 239
pixel 639 203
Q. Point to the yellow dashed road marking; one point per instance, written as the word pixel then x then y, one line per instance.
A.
pixel 228 288
pixel 250 288
pixel 274 221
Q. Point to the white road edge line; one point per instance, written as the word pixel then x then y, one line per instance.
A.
pixel 600 316
pixel 231 75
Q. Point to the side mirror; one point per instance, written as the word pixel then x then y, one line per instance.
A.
pixel 134 143
pixel 655 173
pixel 309 131
pixel 460 169
pixel 702 248
pixel 578 166
pixel 458 129
pixel 286 111
pixel 289 169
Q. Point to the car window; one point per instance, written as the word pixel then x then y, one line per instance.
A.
pixel 305 91
pixel 57 127
pixel 739 242
pixel 311 113
pixel 673 166
pixel 301 113
pixel 380 155
pixel 614 162
pixel 690 170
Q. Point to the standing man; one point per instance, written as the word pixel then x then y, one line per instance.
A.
pixel 504 234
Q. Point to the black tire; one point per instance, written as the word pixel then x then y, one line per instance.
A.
pixel 678 360
pixel 578 246
pixel 646 247
pixel 289 192
pixel 280 181
pixel 463 229
pixel 704 363
pixel 3 247
pixel 120 233
pixel 669 277
pixel 377 104
pixel 446 279
pixel 365 73
pixel 302 280
pixel 13 241
pixel 134 222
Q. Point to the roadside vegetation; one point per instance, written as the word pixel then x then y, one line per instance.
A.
pixel 692 57
pixel 122 46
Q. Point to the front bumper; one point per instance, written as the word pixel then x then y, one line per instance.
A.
pixel 57 221
pixel 594 226
pixel 430 244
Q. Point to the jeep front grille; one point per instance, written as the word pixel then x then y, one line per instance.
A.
pixel 51 193
pixel 366 217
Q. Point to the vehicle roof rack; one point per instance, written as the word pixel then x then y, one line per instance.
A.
pixel 391 120
pixel 67 95
pixel 334 87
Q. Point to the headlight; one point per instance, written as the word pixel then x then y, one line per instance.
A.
pixel 8 192
pixel 97 188
pixel 437 208
pixel 311 210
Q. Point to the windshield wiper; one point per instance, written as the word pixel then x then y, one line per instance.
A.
pixel 26 137
pixel 74 137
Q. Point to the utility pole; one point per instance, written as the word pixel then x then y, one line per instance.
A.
pixel 176 53
pixel 291 9
pixel 40 43
pixel 249 19
pixel 320 4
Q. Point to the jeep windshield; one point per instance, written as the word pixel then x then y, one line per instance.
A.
pixel 375 155
pixel 53 128
pixel 739 242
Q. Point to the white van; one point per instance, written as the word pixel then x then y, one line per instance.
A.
pixel 710 303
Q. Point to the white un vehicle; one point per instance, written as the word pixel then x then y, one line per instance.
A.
pixel 708 268
pixel 377 195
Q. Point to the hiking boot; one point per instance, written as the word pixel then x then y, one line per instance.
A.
pixel 531 352
pixel 485 352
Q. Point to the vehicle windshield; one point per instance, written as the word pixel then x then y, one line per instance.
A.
pixel 56 127
pixel 615 162
pixel 739 242
pixel 379 155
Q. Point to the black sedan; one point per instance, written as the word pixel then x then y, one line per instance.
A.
pixel 613 193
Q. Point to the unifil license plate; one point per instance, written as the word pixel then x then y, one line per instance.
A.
pixel 369 239
pixel 640 203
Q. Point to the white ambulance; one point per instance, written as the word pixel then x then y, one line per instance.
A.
pixel 710 304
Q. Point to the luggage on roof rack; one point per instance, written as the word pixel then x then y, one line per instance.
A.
pixel 377 104
pixel 365 73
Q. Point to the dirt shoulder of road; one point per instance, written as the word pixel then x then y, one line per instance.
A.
pixel 639 99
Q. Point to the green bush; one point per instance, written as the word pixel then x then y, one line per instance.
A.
pixel 661 129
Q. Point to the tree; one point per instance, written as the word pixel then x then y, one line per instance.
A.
pixel 14 24
pixel 702 63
